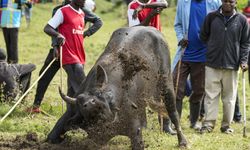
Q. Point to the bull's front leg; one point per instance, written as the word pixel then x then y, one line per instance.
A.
pixel 56 134
pixel 135 135
pixel 169 99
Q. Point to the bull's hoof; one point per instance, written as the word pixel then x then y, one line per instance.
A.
pixel 183 144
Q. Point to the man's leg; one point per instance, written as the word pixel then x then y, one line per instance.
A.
pixel 44 82
pixel 76 75
pixel 12 52
pixel 212 95
pixel 228 97
pixel 197 77
pixel 180 74
pixel 6 35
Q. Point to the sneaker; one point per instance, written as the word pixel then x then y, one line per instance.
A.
pixel 34 109
pixel 195 126
pixel 226 130
pixel 205 129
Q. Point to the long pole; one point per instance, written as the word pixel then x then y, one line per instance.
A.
pixel 244 103
pixel 20 99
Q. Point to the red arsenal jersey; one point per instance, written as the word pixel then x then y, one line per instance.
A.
pixel 72 28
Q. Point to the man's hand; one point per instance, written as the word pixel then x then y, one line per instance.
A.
pixel 137 10
pixel 183 43
pixel 60 39
pixel 244 67
pixel 156 11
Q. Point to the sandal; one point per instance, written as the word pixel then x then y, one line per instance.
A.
pixel 205 129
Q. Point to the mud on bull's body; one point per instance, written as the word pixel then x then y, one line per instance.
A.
pixel 133 69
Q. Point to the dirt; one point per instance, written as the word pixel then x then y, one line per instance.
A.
pixel 31 141
pixel 132 65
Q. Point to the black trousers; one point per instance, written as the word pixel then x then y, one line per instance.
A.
pixel 196 70
pixel 44 82
pixel 76 76
pixel 11 42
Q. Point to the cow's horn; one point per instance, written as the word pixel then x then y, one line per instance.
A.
pixel 67 99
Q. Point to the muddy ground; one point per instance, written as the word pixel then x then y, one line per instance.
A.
pixel 31 141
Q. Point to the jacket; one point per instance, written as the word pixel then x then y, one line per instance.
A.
pixel 181 24
pixel 228 42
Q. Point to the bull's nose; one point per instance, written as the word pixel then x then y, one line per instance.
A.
pixel 90 102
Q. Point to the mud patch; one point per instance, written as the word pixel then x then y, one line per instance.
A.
pixel 31 141
pixel 131 65
pixel 28 141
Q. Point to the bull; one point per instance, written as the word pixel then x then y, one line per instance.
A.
pixel 132 72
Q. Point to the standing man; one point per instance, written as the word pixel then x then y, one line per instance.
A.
pixel 50 73
pixel 147 13
pixel 70 35
pixel 11 38
pixel 69 20
pixel 190 54
pixel 227 35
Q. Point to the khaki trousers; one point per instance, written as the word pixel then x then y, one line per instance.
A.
pixel 220 83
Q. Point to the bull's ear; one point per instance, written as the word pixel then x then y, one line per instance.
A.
pixel 101 76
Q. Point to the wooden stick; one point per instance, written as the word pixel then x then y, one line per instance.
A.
pixel 61 75
pixel 244 103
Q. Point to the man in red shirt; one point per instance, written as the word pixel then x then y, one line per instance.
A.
pixel 146 12
pixel 69 20
pixel 246 12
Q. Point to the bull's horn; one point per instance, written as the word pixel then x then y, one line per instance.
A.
pixel 66 98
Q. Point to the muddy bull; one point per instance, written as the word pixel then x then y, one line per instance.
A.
pixel 132 72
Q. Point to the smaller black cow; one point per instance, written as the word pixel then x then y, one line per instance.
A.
pixel 132 72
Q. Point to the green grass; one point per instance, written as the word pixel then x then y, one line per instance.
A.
pixel 34 45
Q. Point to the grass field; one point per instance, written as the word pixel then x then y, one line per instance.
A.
pixel 34 45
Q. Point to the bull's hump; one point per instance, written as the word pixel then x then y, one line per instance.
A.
pixel 136 31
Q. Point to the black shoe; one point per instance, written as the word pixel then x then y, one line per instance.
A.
pixel 226 130
pixel 206 129
pixel 237 120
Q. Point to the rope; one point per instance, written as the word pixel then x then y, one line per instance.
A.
pixel 20 99
pixel 61 75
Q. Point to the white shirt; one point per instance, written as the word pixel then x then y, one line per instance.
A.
pixel 90 5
